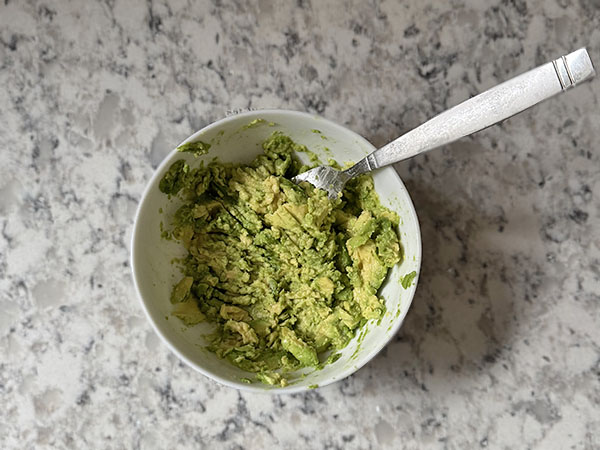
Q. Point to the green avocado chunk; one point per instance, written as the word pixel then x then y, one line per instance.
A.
pixel 181 290
pixel 303 352
pixel 189 313
pixel 197 148
pixel 408 279
pixel 282 271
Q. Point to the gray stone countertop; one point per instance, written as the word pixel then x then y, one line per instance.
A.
pixel 501 348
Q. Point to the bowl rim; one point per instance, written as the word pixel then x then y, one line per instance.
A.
pixel 250 387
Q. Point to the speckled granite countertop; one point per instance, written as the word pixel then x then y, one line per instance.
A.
pixel 502 346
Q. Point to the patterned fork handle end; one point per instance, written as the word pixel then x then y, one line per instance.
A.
pixel 573 68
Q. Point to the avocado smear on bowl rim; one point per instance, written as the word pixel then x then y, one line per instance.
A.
pixel 283 272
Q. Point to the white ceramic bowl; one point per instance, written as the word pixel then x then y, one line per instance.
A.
pixel 233 141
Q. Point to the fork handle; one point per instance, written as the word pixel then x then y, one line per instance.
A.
pixel 485 109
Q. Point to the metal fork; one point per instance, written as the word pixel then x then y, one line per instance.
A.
pixel 479 112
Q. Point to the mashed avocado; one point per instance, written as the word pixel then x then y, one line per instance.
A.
pixel 283 272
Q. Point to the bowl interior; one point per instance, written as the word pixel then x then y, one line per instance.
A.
pixel 238 139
